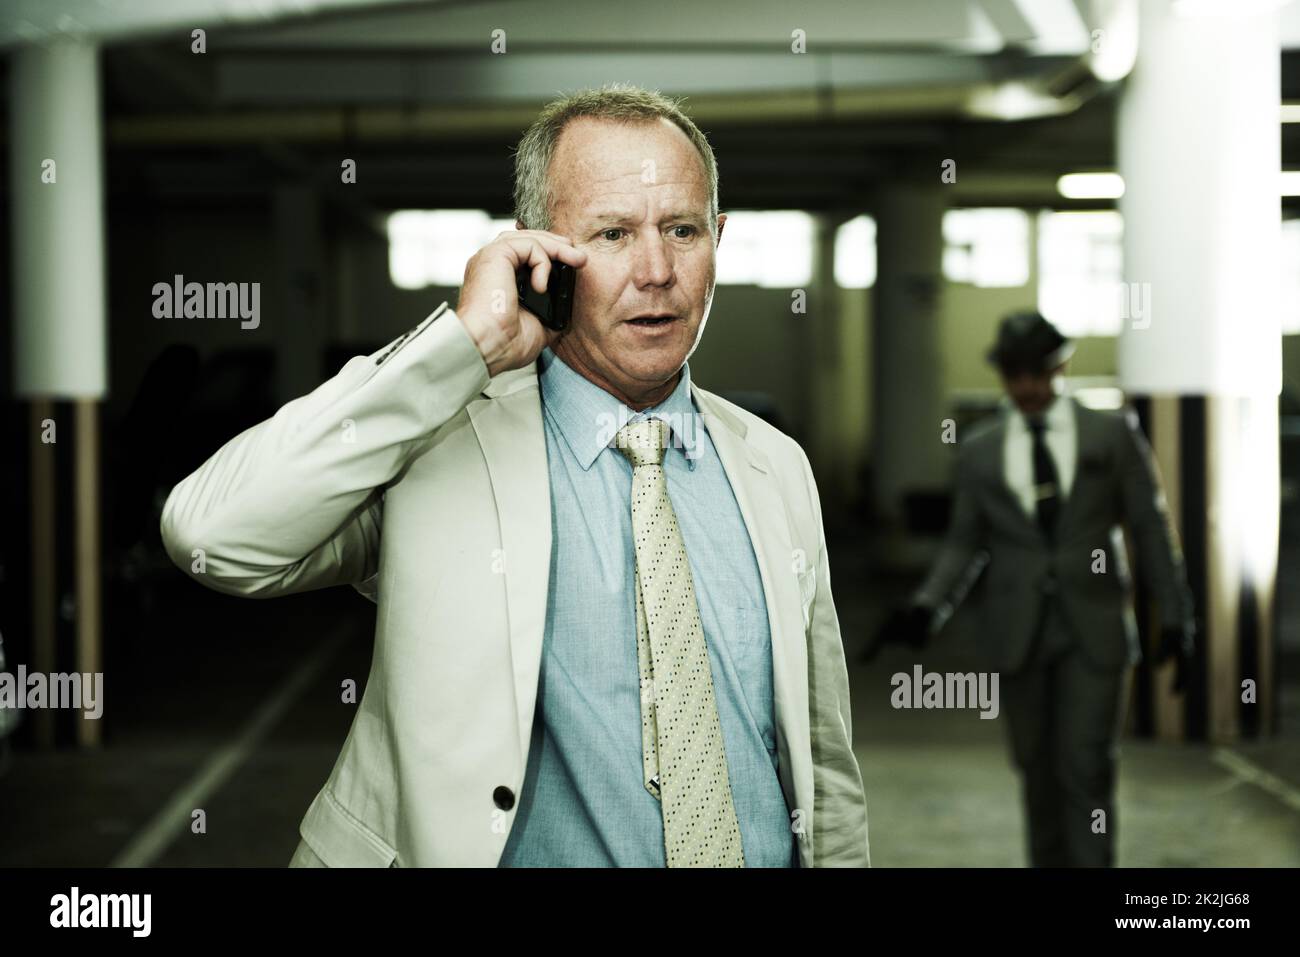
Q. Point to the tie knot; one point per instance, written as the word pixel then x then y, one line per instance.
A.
pixel 1037 426
pixel 643 442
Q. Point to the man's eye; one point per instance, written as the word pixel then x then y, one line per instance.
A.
pixel 690 231
pixel 615 230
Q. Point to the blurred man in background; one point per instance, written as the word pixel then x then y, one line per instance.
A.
pixel 1040 493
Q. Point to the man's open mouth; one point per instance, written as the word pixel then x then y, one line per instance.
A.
pixel 651 320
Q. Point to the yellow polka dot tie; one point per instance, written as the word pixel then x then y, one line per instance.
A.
pixel 684 762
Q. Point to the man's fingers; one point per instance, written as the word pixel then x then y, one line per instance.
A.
pixel 538 252
pixel 571 255
pixel 555 239
pixel 528 249
pixel 541 274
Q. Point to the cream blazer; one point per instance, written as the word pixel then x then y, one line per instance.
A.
pixel 421 481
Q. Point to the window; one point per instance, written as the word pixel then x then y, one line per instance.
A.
pixel 1080 271
pixel 986 247
pixel 429 247
pixel 855 253
pixel 772 249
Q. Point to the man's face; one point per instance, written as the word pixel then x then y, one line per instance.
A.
pixel 635 198
pixel 1031 391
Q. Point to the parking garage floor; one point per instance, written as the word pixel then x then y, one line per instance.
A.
pixel 234 707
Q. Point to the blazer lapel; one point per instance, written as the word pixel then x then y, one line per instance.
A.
pixel 1009 495
pixel 1086 450
pixel 761 505
pixel 996 474
pixel 508 423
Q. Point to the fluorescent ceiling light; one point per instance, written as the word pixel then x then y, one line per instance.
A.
pixel 1091 186
pixel 1111 185
pixel 1015 100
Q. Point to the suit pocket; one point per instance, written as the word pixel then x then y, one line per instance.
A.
pixel 340 838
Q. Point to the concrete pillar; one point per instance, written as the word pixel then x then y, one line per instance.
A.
pixel 821 380
pixel 909 391
pixel 1199 150
pixel 56 181
pixel 56 185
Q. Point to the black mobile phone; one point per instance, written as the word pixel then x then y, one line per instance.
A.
pixel 554 307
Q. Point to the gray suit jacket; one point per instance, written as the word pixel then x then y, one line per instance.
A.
pixel 1116 481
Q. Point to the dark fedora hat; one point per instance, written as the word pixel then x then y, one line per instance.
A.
pixel 1027 342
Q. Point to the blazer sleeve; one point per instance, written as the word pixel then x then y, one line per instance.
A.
pixel 839 799
pixel 967 531
pixel 1159 556
pixel 295 502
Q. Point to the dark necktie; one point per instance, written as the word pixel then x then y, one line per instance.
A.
pixel 1046 494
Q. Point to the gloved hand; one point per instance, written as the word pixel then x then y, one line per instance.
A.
pixel 908 623
pixel 1177 642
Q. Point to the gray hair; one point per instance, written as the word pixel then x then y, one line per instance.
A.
pixel 614 101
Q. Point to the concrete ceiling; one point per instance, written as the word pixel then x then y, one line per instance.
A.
pixel 413 92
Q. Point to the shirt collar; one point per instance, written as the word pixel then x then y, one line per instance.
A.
pixel 589 418
pixel 1057 416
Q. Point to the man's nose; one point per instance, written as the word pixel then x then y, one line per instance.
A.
pixel 654 266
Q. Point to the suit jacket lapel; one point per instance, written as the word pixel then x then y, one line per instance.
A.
pixel 508 422
pixel 761 505
pixel 1085 447
pixel 997 477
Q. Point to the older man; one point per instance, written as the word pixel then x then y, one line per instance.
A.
pixel 605 635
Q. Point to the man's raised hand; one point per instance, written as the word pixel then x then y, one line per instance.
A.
pixel 508 336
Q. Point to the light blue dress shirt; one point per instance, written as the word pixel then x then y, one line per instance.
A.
pixel 584 802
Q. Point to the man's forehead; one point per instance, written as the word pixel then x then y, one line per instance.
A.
pixel 601 211
pixel 608 150
pixel 609 202
pixel 628 170
pixel 608 169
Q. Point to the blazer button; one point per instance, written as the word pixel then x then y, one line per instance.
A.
pixel 503 798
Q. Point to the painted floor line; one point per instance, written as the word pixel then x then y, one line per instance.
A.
pixel 174 817
pixel 1252 773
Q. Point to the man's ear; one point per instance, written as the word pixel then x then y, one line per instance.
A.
pixel 722 221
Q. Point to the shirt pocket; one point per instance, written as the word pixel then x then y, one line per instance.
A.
pixel 746 628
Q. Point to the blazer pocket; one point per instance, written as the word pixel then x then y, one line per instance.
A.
pixel 340 838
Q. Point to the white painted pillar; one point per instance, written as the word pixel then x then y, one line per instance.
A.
pixel 56 182
pixel 1200 150
pixel 56 185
